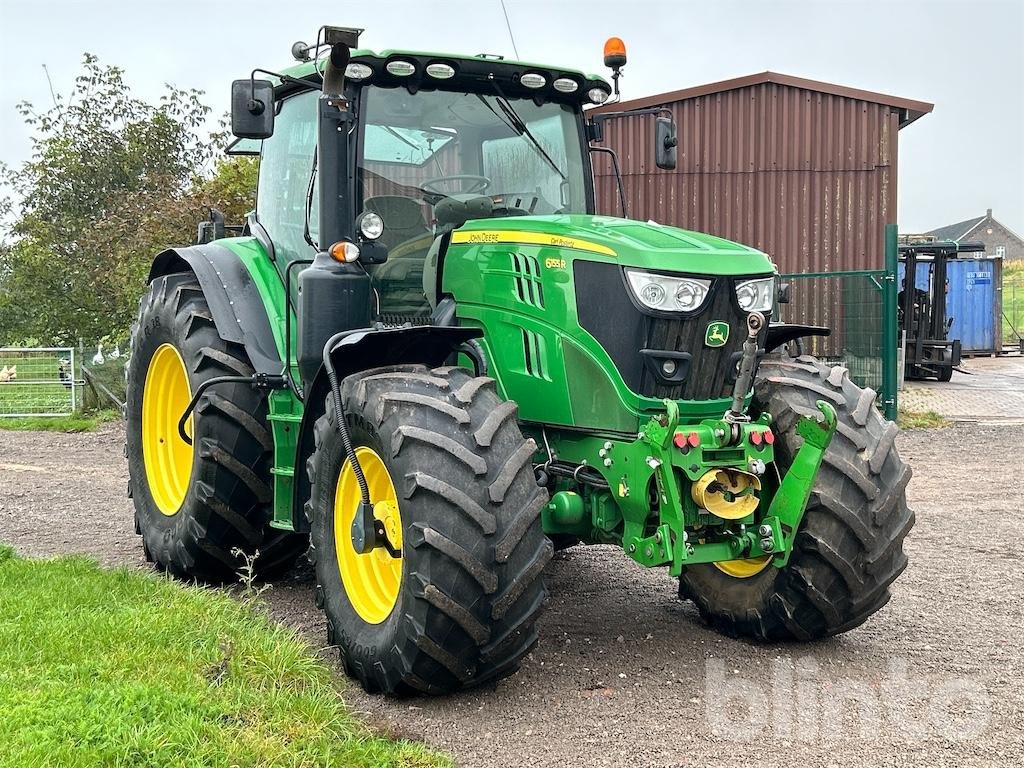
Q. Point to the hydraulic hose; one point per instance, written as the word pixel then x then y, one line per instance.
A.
pixel 341 425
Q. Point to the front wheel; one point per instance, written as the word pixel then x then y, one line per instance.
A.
pixel 450 601
pixel 849 548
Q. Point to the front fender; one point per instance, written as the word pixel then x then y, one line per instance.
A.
pixel 361 350
pixel 782 333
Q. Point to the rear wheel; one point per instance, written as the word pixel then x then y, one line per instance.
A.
pixel 451 481
pixel 195 504
pixel 849 548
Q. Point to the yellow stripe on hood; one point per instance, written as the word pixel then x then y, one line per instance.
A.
pixel 488 236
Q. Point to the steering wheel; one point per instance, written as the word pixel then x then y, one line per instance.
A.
pixel 473 183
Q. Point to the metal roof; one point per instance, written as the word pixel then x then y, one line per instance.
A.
pixel 909 110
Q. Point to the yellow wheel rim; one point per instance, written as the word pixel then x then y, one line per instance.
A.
pixel 744 569
pixel 167 457
pixel 372 581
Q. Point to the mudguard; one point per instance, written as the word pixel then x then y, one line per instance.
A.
pixel 361 350
pixel 781 333
pixel 234 300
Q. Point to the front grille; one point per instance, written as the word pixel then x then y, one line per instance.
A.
pixel 607 311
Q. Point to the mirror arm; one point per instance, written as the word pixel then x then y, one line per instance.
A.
pixel 283 78
pixel 602 116
pixel 618 176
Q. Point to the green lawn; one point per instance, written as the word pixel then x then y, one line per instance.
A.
pixel 123 668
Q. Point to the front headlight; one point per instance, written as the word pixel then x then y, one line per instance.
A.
pixel 665 293
pixel 756 295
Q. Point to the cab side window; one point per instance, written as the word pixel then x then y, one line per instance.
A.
pixel 285 166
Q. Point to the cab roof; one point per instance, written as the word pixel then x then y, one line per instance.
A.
pixel 304 68
pixel 479 70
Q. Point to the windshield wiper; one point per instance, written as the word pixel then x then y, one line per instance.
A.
pixel 522 128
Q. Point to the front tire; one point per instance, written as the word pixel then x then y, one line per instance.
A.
pixel 459 608
pixel 849 548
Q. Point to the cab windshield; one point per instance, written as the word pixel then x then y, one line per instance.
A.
pixel 419 148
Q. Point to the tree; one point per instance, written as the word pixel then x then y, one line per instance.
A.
pixel 112 181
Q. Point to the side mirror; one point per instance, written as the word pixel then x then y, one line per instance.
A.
pixel 211 229
pixel 665 143
pixel 252 109
pixel 783 293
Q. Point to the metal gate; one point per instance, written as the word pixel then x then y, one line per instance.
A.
pixel 860 308
pixel 37 381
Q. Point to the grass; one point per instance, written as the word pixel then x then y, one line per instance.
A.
pixel 79 422
pixel 921 420
pixel 1013 300
pixel 124 668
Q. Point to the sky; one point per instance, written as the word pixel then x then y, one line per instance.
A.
pixel 965 57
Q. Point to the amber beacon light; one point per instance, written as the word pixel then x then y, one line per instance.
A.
pixel 614 52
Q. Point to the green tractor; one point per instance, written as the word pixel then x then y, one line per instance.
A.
pixel 426 359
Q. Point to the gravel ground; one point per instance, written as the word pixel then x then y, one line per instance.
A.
pixel 625 674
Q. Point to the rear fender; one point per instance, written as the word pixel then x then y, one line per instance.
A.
pixel 234 299
pixel 361 350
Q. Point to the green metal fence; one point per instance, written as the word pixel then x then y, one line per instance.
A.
pixel 1013 304
pixel 860 308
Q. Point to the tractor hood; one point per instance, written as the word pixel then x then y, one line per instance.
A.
pixel 630 243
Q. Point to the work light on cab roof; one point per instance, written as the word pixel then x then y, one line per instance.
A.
pixel 427 361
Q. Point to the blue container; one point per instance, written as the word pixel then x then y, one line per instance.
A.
pixel 972 300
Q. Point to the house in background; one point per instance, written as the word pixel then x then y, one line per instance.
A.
pixel 1000 241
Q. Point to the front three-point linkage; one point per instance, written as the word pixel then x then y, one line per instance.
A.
pixel 787 508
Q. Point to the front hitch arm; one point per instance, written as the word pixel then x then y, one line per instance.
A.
pixel 787 508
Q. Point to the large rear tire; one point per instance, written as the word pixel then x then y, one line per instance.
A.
pixel 194 505
pixel 849 548
pixel 451 478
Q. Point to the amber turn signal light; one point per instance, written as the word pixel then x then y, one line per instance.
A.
pixel 344 251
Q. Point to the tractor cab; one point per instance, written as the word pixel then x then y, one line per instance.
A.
pixel 432 159
pixel 430 141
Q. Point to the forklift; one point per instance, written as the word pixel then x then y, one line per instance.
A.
pixel 921 312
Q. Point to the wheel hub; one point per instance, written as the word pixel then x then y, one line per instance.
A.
pixel 372 578
pixel 167 458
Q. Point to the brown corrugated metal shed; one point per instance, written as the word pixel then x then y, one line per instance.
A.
pixel 803 170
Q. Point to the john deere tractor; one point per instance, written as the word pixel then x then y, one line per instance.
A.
pixel 426 359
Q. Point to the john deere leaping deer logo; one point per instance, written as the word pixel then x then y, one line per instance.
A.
pixel 717 334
